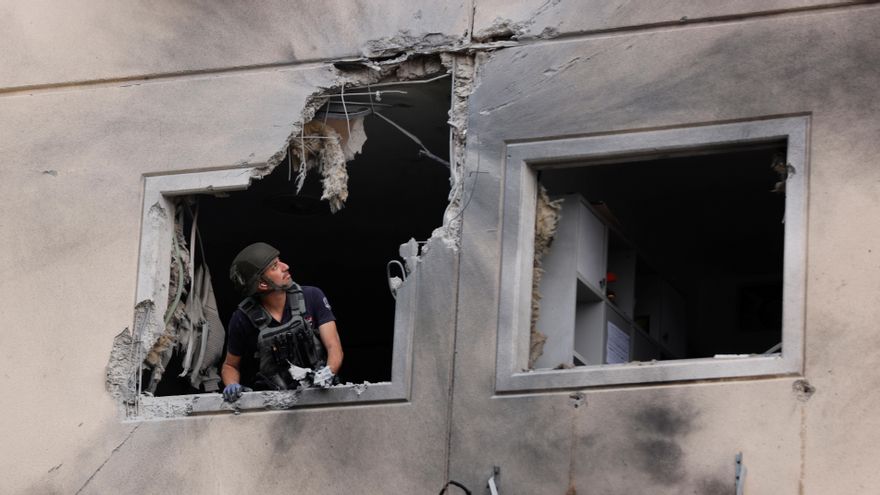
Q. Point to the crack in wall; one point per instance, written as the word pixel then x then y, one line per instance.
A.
pixel 112 453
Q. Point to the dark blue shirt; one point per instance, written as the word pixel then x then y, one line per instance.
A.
pixel 241 340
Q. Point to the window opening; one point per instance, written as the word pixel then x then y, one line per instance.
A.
pixel 395 189
pixel 662 259
pixel 686 213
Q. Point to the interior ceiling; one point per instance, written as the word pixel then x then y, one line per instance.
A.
pixel 394 195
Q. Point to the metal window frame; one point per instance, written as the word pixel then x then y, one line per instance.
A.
pixel 524 159
pixel 154 270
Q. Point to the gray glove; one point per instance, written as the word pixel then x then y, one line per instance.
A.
pixel 323 377
pixel 233 391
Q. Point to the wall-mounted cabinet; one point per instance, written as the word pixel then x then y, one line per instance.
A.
pixel 592 297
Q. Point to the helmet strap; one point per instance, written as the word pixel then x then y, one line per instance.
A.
pixel 275 287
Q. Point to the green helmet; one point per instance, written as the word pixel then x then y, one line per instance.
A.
pixel 248 265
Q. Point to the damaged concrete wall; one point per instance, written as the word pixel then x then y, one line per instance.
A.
pixel 547 19
pixel 74 160
pixel 48 43
pixel 233 91
pixel 683 438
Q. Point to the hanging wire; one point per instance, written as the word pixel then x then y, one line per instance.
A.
pixel 180 279
pixel 345 109
pixel 368 93
pixel 415 139
pixel 403 83
pixel 476 175
pixel 301 177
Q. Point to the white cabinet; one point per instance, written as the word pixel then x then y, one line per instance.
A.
pixel 588 297
pixel 571 277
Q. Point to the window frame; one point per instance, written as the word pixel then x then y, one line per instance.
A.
pixel 154 271
pixel 524 158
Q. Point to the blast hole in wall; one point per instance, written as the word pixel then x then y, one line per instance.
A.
pixel 394 194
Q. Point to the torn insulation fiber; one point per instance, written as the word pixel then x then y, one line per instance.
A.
pixel 320 147
pixel 547 215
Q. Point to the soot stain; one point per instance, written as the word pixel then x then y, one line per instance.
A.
pixel 286 431
pixel 662 460
pixel 665 421
pixel 715 486
pixel 659 431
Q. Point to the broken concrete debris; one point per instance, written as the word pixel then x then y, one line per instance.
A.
pixel 405 41
pixel 122 368
pixel 464 69
pixel 547 215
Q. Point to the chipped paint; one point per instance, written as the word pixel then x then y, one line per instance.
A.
pixel 803 390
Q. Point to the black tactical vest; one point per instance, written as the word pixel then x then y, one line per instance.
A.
pixel 296 342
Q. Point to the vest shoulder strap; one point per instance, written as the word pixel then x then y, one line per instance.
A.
pixel 260 318
pixel 254 311
pixel 296 300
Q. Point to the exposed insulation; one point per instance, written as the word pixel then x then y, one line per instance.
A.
pixel 321 147
pixel 160 353
pixel 361 73
pixel 352 133
pixel 547 215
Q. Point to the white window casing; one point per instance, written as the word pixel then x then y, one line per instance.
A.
pixel 523 159
pixel 154 265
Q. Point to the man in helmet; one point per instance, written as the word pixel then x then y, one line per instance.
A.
pixel 278 328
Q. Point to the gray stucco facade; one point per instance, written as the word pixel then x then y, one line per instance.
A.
pixel 97 96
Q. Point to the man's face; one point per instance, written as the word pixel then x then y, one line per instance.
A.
pixel 278 272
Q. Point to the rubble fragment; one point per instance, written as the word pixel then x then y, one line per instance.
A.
pixel 122 367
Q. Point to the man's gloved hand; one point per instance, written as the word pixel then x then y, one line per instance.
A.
pixel 323 377
pixel 233 391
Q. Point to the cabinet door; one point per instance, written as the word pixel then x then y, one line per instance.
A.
pixel 592 245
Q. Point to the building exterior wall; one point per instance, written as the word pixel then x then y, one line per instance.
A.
pixel 95 97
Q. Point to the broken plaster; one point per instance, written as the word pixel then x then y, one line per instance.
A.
pixel 464 81
pixel 405 41
pixel 401 69
pixel 507 29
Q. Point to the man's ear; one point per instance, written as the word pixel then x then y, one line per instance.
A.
pixel 262 285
